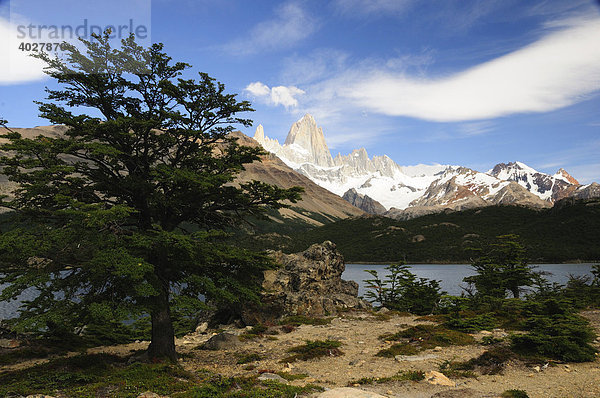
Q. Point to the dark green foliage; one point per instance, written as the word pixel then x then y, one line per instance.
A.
pixel 90 376
pixel 423 337
pixel 501 267
pixel 582 291
pixel 491 362
pixel 408 375
pixel 564 233
pixel 555 332
pixel 297 320
pixel 514 394
pixel 399 349
pixel 314 349
pixel 99 214
pixel 247 358
pixel 401 290
pixel 471 324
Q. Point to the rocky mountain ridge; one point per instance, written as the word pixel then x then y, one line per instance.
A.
pixel 409 191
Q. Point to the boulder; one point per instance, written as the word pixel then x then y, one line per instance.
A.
pixel 221 341
pixel 347 392
pixel 308 283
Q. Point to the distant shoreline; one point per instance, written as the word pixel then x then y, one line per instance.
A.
pixel 465 262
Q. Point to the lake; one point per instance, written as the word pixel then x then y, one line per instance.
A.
pixel 451 275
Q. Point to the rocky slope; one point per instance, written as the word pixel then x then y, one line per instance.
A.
pixel 409 191
pixel 317 206
pixel 363 202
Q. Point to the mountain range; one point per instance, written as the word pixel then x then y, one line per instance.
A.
pixel 378 185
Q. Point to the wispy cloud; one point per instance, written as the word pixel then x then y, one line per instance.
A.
pixel 280 95
pixel 558 70
pixel 290 25
pixel 370 7
pixel 16 66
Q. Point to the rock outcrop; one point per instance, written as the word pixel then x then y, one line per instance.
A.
pixel 308 283
pixel 363 202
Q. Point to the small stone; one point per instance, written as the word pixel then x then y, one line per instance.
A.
pixel 486 333
pixel 272 377
pixel 383 310
pixel 39 396
pixel 537 369
pixel 530 375
pixel 148 394
pixel 438 349
pixel 437 378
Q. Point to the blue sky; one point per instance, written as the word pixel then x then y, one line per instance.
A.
pixel 463 82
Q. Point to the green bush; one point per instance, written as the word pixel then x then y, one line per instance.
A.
pixel 401 290
pixel 514 394
pixel 472 324
pixel 314 349
pixel 555 332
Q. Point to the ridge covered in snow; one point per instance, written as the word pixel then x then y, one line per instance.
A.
pixel 421 186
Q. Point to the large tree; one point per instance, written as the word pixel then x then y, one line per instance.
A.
pixel 120 215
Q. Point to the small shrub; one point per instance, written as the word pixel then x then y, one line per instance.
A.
pixel 314 349
pixel 491 362
pixel 451 370
pixel 490 340
pixel 471 324
pixel 292 377
pixel 288 328
pixel 555 332
pixel 297 320
pixel 514 394
pixel 409 375
pixel 399 349
pixel 247 358
pixel 401 290
pixel 423 337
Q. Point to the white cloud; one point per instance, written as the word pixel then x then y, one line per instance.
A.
pixel 354 7
pixel 558 70
pixel 280 95
pixel 291 25
pixel 16 66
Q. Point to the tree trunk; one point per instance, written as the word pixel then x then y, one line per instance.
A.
pixel 162 344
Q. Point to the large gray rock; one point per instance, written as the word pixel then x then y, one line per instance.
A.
pixel 308 283
pixel 222 341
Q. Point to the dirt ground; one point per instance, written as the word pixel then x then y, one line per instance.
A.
pixel 359 334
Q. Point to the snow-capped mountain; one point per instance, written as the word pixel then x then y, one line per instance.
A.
pixel 413 190
pixel 547 187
